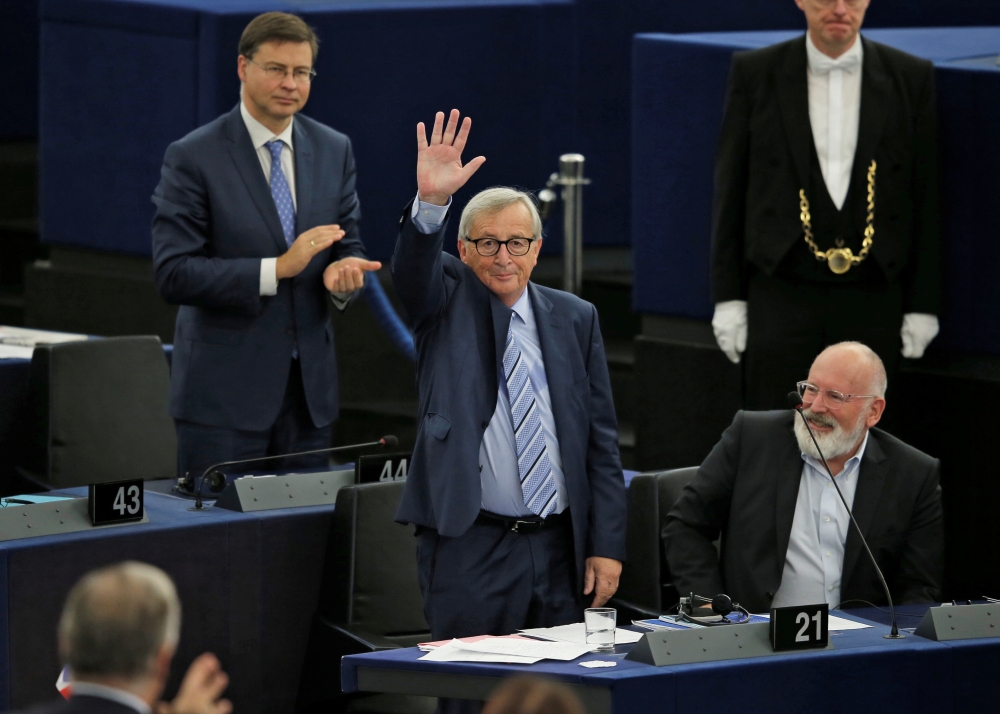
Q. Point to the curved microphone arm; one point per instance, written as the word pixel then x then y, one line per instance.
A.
pixel 796 401
pixel 386 442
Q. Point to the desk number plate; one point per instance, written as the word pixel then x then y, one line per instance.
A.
pixel 803 627
pixel 116 502
pixel 381 467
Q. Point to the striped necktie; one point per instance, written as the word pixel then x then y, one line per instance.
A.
pixel 538 485
pixel 280 192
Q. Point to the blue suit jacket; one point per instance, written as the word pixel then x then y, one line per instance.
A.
pixel 460 328
pixel 215 220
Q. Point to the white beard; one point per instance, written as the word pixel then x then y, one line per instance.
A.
pixel 836 443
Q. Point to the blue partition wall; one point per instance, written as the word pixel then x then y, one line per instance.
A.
pixel 123 80
pixel 679 85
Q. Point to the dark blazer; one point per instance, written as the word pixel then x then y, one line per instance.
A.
pixel 82 705
pixel 215 220
pixel 747 489
pixel 764 159
pixel 460 328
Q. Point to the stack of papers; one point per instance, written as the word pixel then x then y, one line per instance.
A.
pixel 20 342
pixel 507 650
pixel 577 633
pixel 431 646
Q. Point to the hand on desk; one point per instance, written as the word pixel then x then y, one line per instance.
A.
pixel 348 274
pixel 440 172
pixel 200 690
pixel 601 579
pixel 307 245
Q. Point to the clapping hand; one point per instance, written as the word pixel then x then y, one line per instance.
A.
pixel 201 690
pixel 440 172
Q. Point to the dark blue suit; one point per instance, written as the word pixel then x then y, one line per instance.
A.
pixel 215 221
pixel 460 328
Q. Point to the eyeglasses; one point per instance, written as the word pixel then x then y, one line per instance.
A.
pixel 277 71
pixel 834 399
pixel 853 4
pixel 488 247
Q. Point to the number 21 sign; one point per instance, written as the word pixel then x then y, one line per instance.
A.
pixel 115 502
pixel 802 627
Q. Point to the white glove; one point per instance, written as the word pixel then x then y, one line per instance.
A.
pixel 917 332
pixel 729 323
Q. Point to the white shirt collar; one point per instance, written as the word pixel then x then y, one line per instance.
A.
pixel 523 308
pixel 90 689
pixel 814 55
pixel 856 459
pixel 260 134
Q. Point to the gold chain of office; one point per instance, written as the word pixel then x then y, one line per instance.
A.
pixel 840 259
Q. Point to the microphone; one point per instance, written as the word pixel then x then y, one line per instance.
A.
pixel 796 403
pixel 217 480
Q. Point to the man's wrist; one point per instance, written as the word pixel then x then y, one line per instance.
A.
pixel 434 199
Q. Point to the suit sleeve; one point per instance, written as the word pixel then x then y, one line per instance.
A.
pixel 184 268
pixel 731 181
pixel 349 214
pixel 418 272
pixel 921 566
pixel 607 526
pixel 700 514
pixel 922 284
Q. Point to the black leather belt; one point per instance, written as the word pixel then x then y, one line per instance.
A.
pixel 523 524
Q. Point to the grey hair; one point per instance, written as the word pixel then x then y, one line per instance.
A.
pixel 117 619
pixel 880 382
pixel 491 202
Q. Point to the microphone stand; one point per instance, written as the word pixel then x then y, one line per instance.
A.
pixel 386 442
pixel 894 631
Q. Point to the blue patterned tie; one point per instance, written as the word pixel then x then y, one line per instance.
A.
pixel 538 485
pixel 281 193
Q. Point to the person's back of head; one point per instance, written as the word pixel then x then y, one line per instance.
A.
pixel 529 695
pixel 117 621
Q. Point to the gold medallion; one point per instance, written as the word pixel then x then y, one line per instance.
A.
pixel 840 259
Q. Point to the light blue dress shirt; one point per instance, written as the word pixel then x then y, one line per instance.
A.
pixel 814 562
pixel 498 473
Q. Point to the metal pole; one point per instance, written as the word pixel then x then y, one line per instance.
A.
pixel 572 180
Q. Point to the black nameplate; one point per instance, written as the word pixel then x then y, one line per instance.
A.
pixel 115 502
pixel 803 627
pixel 381 467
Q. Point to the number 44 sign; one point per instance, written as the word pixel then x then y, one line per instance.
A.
pixel 802 627
pixel 115 502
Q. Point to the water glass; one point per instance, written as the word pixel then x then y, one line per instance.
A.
pixel 600 623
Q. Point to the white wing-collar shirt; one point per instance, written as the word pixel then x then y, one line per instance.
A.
pixel 814 561
pixel 835 113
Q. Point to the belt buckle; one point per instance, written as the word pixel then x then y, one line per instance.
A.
pixel 526 526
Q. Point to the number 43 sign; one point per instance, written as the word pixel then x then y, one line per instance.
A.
pixel 115 502
pixel 803 627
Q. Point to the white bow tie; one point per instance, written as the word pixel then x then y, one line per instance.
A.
pixel 823 64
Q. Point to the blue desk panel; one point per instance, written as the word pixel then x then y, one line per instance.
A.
pixel 862 673
pixel 248 585
pixel 679 86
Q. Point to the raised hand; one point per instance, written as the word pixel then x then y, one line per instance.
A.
pixel 348 274
pixel 440 172
pixel 201 690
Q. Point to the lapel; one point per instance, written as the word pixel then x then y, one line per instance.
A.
pixel 248 165
pixel 788 474
pixel 871 477
pixel 303 176
pixel 558 372
pixel 876 98
pixel 793 102
pixel 501 324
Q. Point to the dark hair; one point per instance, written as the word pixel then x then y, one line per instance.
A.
pixel 530 695
pixel 276 27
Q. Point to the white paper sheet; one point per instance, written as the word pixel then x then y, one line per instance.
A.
pixel 29 338
pixel 597 663
pixel 15 352
pixel 452 653
pixel 842 623
pixel 564 651
pixel 577 633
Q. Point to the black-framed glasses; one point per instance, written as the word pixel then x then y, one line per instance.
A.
pixel 488 247
pixel 279 71
pixel 834 399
